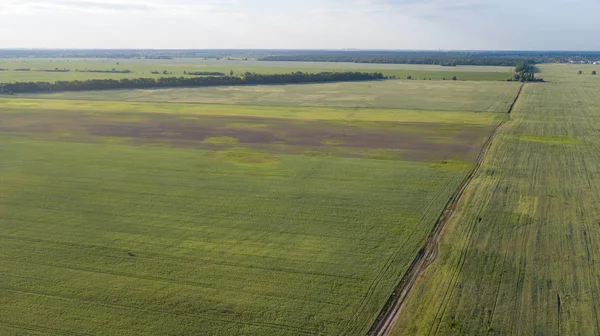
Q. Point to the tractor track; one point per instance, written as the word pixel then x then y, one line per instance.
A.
pixel 428 253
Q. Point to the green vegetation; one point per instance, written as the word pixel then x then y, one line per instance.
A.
pixel 146 218
pixel 342 114
pixel 525 72
pixel 434 95
pixel 180 67
pixel 447 59
pixel 254 210
pixel 145 83
pixel 519 255
pixel 221 140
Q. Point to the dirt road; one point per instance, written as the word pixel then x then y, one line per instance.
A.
pixel 428 253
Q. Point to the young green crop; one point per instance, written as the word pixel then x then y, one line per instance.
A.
pixel 520 255
pixel 124 218
pixel 186 110
pixel 434 95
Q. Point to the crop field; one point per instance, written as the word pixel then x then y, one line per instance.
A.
pixel 519 256
pixel 176 67
pixel 569 73
pixel 428 95
pixel 149 218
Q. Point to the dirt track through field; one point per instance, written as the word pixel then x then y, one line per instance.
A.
pixel 428 253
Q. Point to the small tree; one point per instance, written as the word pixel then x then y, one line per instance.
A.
pixel 594 72
pixel 580 72
pixel 454 78
pixel 409 77
pixel 444 78
pixel 231 73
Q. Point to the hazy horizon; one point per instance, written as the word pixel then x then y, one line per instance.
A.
pixel 461 25
pixel 311 49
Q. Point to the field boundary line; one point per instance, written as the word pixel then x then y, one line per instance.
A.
pixel 428 253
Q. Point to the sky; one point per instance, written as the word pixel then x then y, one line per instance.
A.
pixel 302 24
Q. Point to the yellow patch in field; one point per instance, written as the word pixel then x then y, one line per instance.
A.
pixel 333 142
pixel 527 205
pixel 246 157
pixel 246 126
pixel 221 141
pixel 113 140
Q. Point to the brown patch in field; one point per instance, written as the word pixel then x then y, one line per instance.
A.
pixel 378 140
pixel 179 132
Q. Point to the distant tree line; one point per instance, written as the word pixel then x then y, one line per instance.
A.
pixel 54 70
pixel 443 58
pixel 431 59
pixel 203 73
pixel 142 83
pixel 525 72
pixel 106 71
pixel 164 72
pixel 449 58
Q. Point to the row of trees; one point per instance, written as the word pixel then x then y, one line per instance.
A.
pixel 204 73
pixel 444 78
pixel 113 70
pixel 141 83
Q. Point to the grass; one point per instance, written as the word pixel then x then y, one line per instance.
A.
pixel 519 256
pixel 426 95
pixel 127 218
pixel 144 68
pixel 308 113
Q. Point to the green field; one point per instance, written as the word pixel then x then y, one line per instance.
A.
pixel 149 218
pixel 428 95
pixel 519 257
pixel 341 114
pixel 176 67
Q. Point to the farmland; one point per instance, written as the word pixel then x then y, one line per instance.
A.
pixel 175 218
pixel 519 256
pixel 404 94
pixel 177 67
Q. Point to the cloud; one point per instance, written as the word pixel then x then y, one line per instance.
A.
pixel 164 6
pixel 327 24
